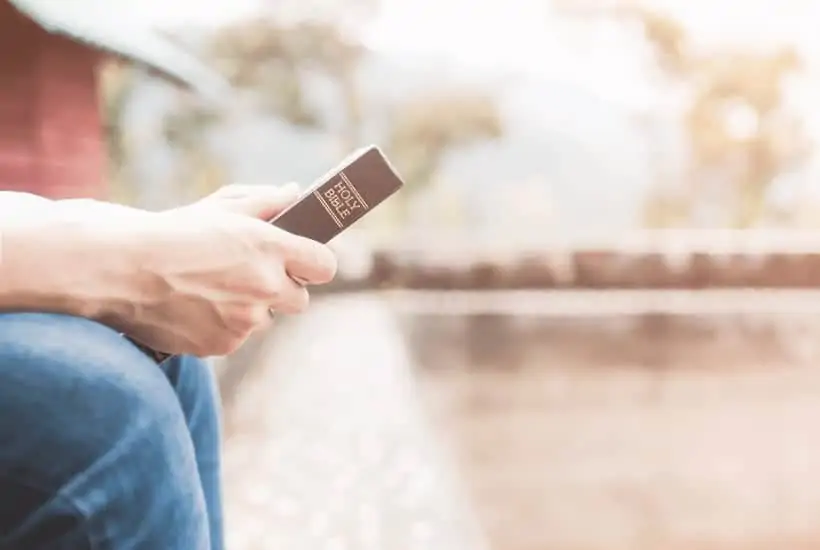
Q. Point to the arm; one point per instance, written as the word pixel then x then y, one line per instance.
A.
pixel 52 259
pixel 196 279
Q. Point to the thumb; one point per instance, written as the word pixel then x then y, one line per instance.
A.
pixel 258 201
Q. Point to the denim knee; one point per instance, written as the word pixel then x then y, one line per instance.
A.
pixel 196 387
pixel 95 427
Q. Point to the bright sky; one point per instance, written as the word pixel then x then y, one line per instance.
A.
pixel 523 33
pixel 495 30
pixel 523 36
pixel 604 59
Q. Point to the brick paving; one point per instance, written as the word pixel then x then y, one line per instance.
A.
pixel 329 448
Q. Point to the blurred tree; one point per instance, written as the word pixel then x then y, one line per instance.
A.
pixel 267 62
pixel 273 66
pixel 271 60
pixel 666 209
pixel 274 60
pixel 262 58
pixel 737 124
pixel 424 129
pixel 116 85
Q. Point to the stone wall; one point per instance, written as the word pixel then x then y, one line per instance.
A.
pixel 650 260
pixel 601 269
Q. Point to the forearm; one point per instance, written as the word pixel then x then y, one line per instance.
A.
pixel 57 256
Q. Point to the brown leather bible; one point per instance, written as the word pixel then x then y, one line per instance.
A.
pixel 342 197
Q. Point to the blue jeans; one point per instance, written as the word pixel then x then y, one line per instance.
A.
pixel 100 448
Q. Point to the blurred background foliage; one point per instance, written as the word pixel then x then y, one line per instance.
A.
pixel 729 88
pixel 740 134
pixel 269 63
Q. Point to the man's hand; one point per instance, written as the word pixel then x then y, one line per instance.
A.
pixel 217 267
pixel 197 279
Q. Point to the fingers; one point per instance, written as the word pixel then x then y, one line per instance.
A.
pixel 291 297
pixel 262 202
pixel 306 260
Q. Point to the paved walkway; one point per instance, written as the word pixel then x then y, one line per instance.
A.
pixel 329 448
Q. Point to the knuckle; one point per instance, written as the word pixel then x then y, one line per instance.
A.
pixel 276 284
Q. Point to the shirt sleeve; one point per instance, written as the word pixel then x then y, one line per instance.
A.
pixel 21 207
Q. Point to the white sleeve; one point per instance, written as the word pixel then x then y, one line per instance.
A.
pixel 21 207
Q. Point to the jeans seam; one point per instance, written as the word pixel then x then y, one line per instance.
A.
pixel 56 496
